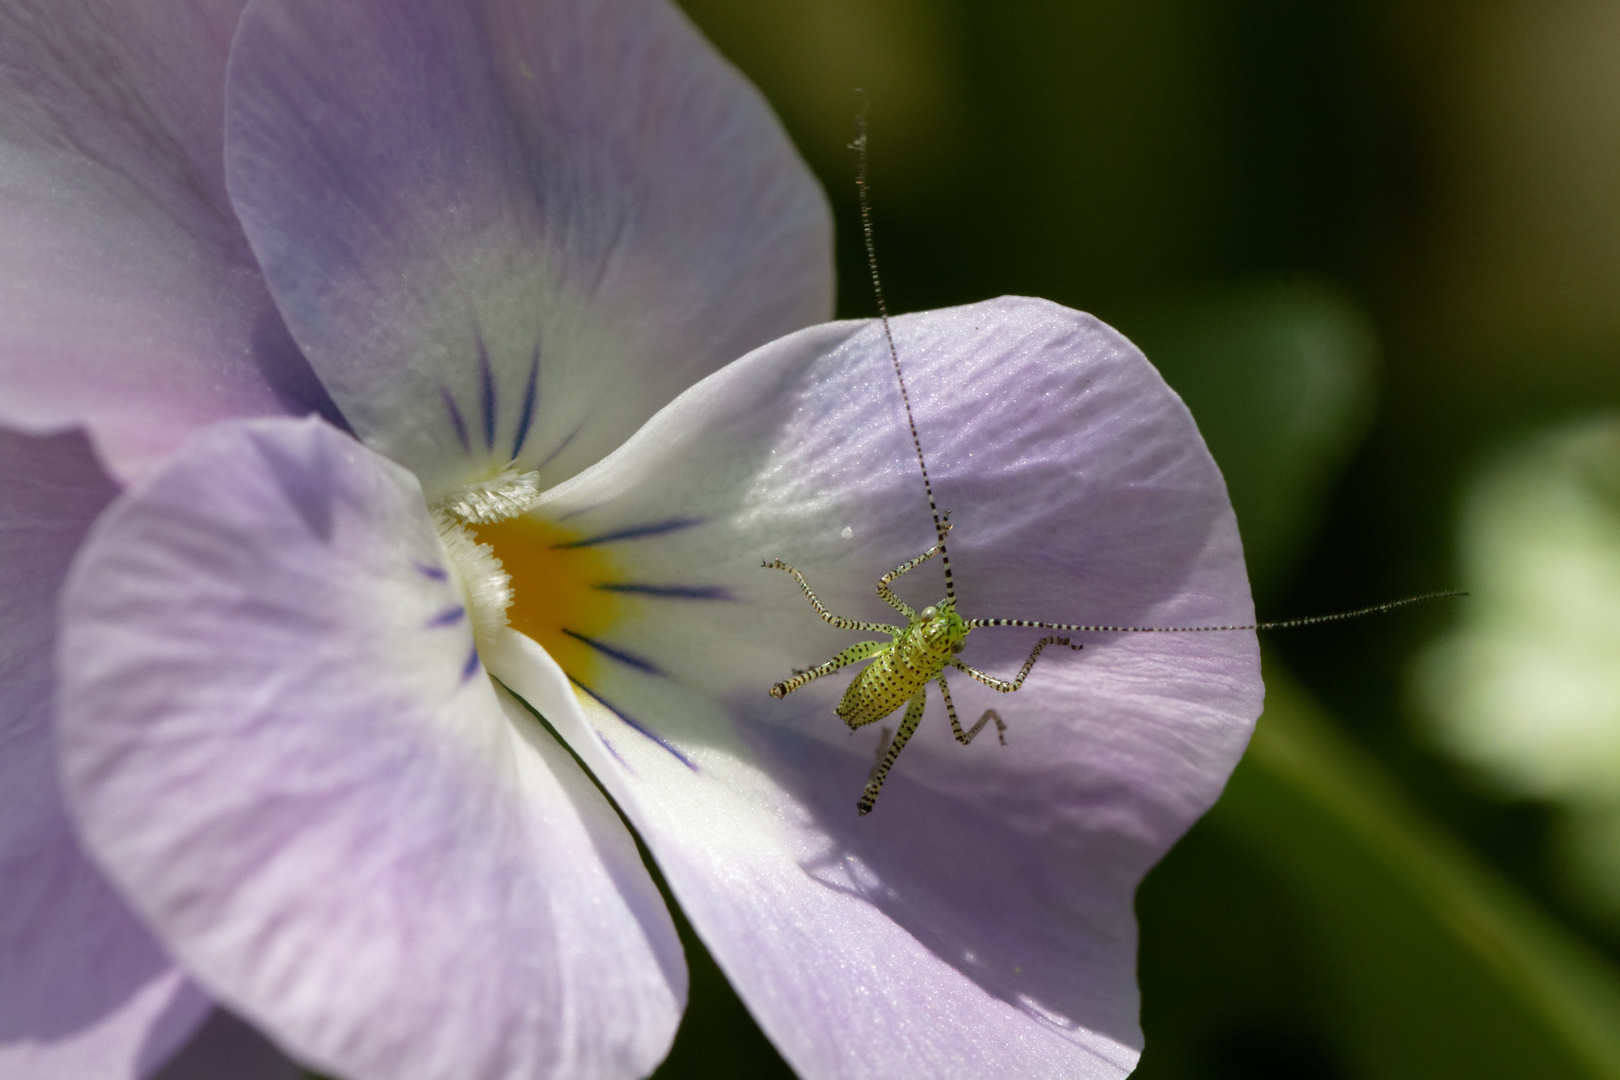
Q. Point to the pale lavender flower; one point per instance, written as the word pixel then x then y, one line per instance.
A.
pixel 516 232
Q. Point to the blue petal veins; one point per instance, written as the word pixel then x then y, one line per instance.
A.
pixel 529 396
pixel 668 592
pixel 635 532
pixel 486 379
pixel 448 617
pixel 455 420
pixel 634 725
pixel 618 654
pixel 560 447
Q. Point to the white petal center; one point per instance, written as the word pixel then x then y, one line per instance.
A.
pixel 504 495
pixel 486 587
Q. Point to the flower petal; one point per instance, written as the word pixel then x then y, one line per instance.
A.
pixel 129 301
pixel 514 229
pixel 979 922
pixel 278 740
pixel 84 990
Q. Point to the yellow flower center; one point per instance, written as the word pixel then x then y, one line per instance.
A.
pixel 561 589
pixel 518 570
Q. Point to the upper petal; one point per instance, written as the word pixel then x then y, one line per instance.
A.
pixel 129 300
pixel 979 922
pixel 278 740
pixel 514 229
pixel 84 990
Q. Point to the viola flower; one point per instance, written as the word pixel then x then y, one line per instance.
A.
pixel 135 310
pixel 321 695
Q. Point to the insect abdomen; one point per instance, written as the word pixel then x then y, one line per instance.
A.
pixel 888 682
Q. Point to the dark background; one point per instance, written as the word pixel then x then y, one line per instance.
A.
pixel 1373 245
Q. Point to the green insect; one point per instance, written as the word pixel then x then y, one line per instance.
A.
pixel 916 654
pixel 902 667
pixel 899 670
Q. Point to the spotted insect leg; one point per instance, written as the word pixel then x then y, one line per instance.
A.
pixel 886 580
pixel 837 620
pixel 902 735
pixel 861 650
pixel 965 737
pixel 1004 685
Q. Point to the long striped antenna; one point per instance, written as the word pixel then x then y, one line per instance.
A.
pixel 859 146
pixel 1285 624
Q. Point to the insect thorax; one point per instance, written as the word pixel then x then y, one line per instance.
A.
pixel 919 653
pixel 937 631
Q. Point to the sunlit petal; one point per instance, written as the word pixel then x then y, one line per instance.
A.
pixel 979 922
pixel 514 229
pixel 280 741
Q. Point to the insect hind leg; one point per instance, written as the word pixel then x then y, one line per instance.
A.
pixel 902 735
pixel 965 737
pixel 1003 685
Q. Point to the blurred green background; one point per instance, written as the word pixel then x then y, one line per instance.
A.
pixel 1376 247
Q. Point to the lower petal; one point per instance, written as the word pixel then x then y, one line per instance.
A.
pixel 280 741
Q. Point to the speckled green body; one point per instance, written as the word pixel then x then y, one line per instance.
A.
pixel 904 666
pixel 900 669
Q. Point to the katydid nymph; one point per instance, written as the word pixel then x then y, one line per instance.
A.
pixel 899 669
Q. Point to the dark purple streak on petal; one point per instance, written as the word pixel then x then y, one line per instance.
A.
pixel 636 725
pixel 488 398
pixel 448 617
pixel 617 654
pixel 634 532
pixel 530 396
pixel 668 592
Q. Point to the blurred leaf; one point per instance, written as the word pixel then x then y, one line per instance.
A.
pixel 1231 984
pixel 809 56
pixel 1281 378
pixel 1431 965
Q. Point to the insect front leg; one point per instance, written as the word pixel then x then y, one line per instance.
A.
pixel 902 735
pixel 911 564
pixel 837 620
pixel 862 650
pixel 965 737
pixel 1002 684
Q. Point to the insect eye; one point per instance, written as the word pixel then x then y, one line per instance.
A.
pixel 958 646
pixel 929 613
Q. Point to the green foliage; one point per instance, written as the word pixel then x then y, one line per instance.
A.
pixel 1281 378
pixel 1316 924
pixel 1269 198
